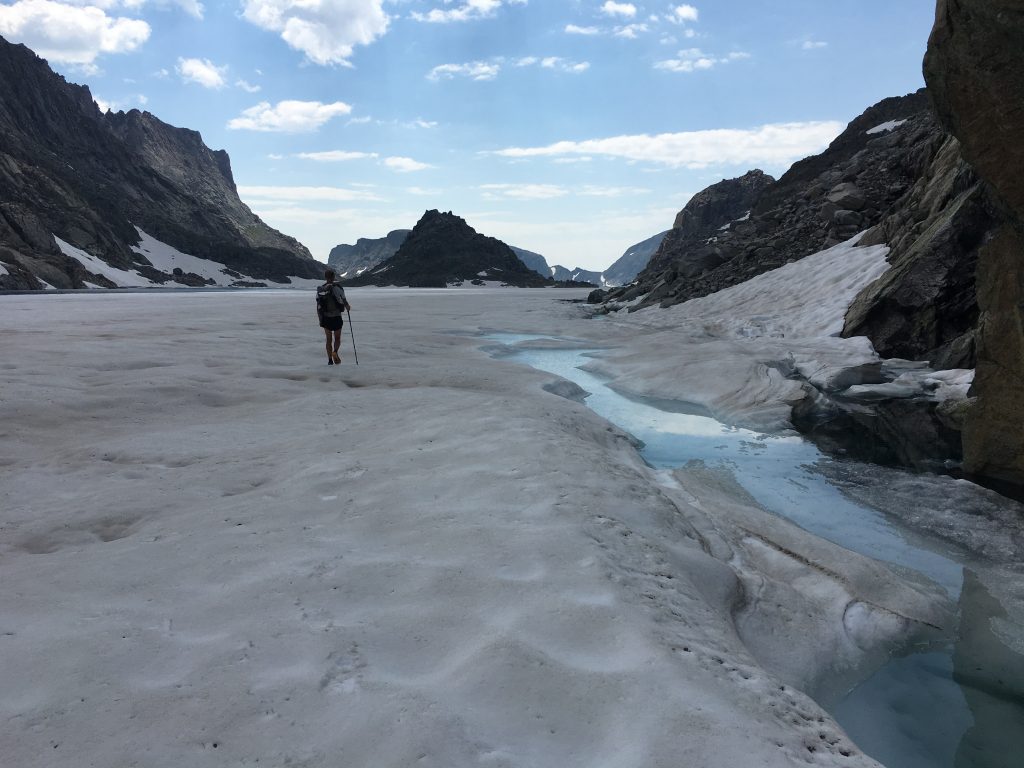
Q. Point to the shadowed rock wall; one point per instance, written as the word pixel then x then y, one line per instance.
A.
pixel 975 70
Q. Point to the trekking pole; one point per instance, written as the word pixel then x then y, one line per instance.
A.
pixel 354 351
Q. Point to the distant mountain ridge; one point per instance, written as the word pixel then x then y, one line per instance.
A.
pixel 353 260
pixel 625 269
pixel 443 250
pixel 69 171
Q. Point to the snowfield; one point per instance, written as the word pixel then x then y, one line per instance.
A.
pixel 217 550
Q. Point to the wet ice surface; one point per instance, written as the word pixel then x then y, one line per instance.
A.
pixel 913 712
pixel 777 471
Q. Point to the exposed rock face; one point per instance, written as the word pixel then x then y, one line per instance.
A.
pixel 89 178
pixel 634 260
pixel 352 260
pixel 691 248
pixel 924 307
pixel 443 249
pixel 534 261
pixel 975 70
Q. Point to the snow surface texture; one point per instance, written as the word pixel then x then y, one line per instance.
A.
pixel 731 352
pixel 216 549
pixel 166 258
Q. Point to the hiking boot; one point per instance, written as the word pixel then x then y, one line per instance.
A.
pixel 337 359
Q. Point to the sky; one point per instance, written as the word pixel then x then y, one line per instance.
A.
pixel 572 128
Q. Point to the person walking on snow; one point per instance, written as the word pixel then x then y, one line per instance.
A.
pixel 330 304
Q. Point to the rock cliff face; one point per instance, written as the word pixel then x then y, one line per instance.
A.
pixel 443 249
pixel 534 261
pixel 70 171
pixel 925 307
pixel 353 260
pixel 975 69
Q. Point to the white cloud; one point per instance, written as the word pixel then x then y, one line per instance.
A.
pixel 469 10
pixel 685 13
pixel 630 31
pixel 288 116
pixel 423 192
pixel 69 34
pixel 475 70
pixel 326 31
pixel 555 63
pixel 773 145
pixel 203 72
pixel 335 156
pixel 246 86
pixel 405 164
pixel 359 120
pixel 694 59
pixel 419 122
pixel 590 190
pixel 280 195
pixel 810 45
pixel 611 8
pixel 523 191
pixel 572 29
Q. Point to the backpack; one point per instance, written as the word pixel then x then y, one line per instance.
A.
pixel 326 300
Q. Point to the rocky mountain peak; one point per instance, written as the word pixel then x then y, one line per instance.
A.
pixel 443 249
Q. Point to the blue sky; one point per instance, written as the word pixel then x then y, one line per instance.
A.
pixel 573 128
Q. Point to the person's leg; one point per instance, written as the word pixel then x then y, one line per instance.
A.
pixel 337 346
pixel 327 337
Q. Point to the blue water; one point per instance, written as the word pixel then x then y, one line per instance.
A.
pixel 911 713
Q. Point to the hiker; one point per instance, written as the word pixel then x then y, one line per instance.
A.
pixel 330 304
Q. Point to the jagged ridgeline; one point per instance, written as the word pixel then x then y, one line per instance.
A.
pixel 95 179
pixel 895 173
pixel 444 250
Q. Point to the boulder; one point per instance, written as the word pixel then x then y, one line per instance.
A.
pixel 847 196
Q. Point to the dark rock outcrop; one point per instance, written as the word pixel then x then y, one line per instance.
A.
pixel 692 247
pixel 353 260
pixel 442 250
pixel 925 307
pixel 70 171
pixel 975 70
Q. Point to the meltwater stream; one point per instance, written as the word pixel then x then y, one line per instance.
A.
pixel 911 713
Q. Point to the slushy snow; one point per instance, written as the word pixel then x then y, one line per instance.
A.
pixel 215 550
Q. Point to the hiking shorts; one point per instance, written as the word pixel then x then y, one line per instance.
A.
pixel 332 323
